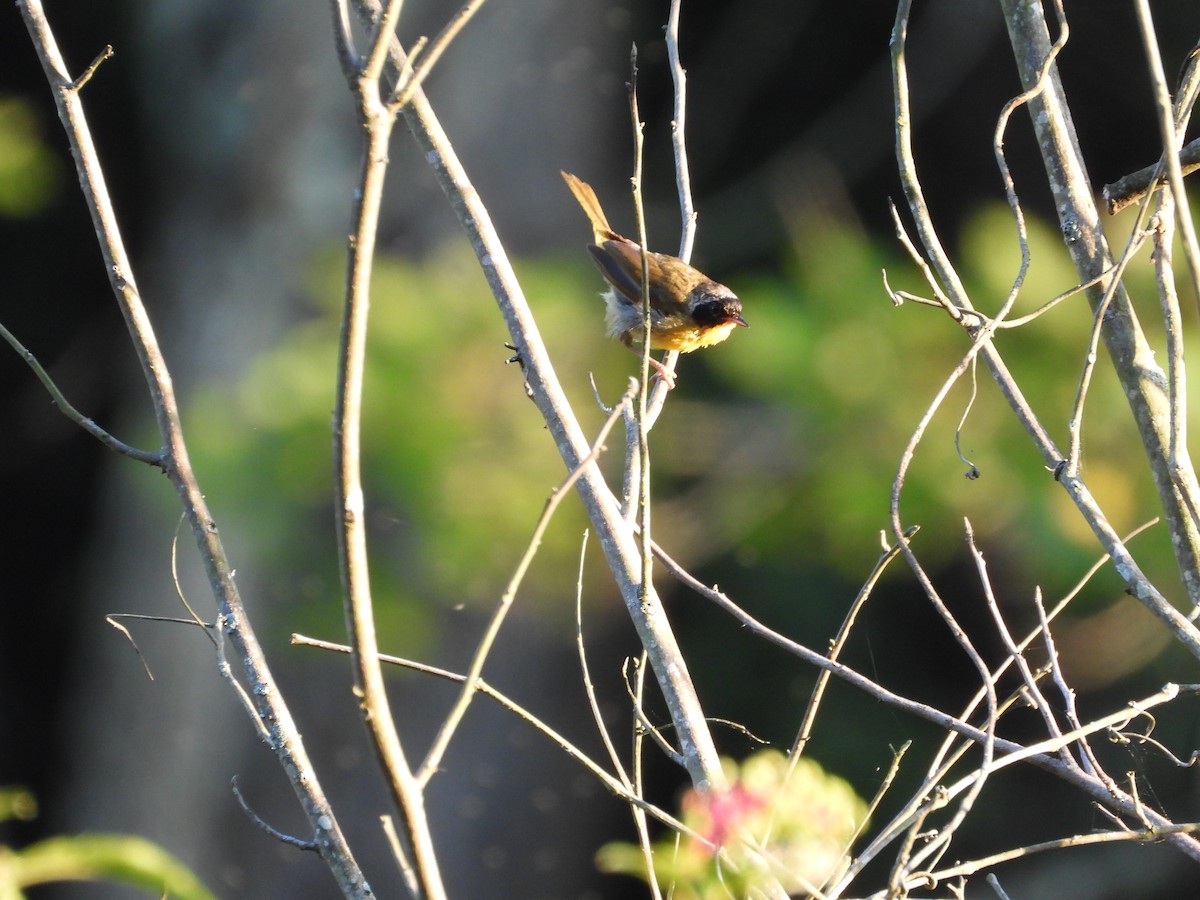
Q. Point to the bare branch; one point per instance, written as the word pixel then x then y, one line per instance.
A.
pixel 1133 187
pixel 1163 229
pixel 1126 342
pixel 590 688
pixel 615 536
pixel 271 712
pixel 385 33
pixel 638 785
pixel 642 468
pixel 1171 133
pixel 683 177
pixel 377 122
pixel 1132 357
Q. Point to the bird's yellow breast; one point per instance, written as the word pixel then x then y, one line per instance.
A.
pixel 686 338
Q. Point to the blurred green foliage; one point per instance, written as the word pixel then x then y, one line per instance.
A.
pixel 29 177
pixel 90 857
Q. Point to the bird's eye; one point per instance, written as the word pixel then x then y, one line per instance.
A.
pixel 709 313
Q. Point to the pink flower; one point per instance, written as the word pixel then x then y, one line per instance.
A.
pixel 717 815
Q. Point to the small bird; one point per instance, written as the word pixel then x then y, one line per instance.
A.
pixel 688 310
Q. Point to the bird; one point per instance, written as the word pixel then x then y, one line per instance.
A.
pixel 688 310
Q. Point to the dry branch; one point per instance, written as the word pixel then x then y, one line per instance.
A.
pixel 274 718
pixel 615 537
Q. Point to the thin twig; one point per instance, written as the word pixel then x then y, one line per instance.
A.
pixel 154 458
pixel 931 879
pixel 83 79
pixel 291 840
pixel 972 470
pixel 975 317
pixel 385 32
pixel 639 783
pixel 113 619
pixel 1163 229
pixel 981 341
pixel 1119 718
pixel 399 854
pixel 939 262
pixel 953 309
pixel 856 864
pixel 642 423
pixel 432 53
pixel 1087 760
pixel 819 660
pixel 946 757
pixel 639 815
pixel 441 742
pixel 584 670
pixel 1131 188
pixel 1174 207
pixel 1015 653
pixel 611 783
pixel 687 232
pixel 994 883
pixel 1018 321
pixel 1109 287
pixel 835 649
pixel 1044 750
pixel 343 40
pixel 642 720
pixel 941 841
pixel 1143 739
pixel 377 119
pixel 683 177
pixel 1043 632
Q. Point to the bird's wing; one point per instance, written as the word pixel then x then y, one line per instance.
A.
pixel 621 265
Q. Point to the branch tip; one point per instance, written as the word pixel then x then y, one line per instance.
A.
pixel 78 83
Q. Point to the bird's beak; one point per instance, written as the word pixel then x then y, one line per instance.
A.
pixel 740 321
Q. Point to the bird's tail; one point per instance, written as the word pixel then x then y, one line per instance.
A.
pixel 587 199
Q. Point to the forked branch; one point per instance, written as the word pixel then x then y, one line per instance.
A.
pixel 615 537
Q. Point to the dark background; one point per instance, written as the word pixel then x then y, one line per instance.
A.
pixel 228 139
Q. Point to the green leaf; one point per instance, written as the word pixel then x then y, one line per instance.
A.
pixel 97 857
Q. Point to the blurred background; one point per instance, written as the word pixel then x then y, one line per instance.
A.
pixel 231 152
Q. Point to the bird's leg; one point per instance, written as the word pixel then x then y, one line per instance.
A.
pixel 662 372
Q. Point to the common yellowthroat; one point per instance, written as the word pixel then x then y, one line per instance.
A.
pixel 688 310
